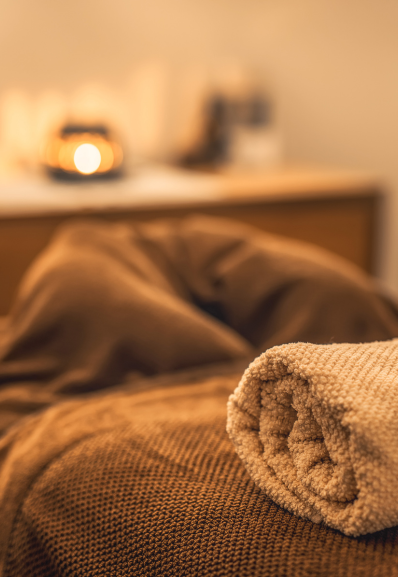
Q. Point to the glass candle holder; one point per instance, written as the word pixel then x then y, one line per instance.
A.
pixel 80 152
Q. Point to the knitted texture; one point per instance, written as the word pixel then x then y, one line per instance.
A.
pixel 316 427
pixel 154 488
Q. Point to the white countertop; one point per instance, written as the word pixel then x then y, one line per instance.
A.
pixel 154 186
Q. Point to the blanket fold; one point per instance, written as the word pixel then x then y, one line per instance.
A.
pixel 316 427
pixel 106 300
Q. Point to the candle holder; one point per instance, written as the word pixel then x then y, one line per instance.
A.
pixel 83 152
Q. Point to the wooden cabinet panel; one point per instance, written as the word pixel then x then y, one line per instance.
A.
pixel 345 226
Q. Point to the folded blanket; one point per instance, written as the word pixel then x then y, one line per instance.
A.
pixel 105 300
pixel 317 428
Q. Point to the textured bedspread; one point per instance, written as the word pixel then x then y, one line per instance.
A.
pixel 93 481
pixel 149 484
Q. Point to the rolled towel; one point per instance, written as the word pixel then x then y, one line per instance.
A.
pixel 317 429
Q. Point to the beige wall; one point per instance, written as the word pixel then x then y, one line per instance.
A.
pixel 331 65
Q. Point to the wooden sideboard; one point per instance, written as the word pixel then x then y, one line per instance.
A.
pixel 337 210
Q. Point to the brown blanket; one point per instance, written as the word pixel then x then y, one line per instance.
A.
pixel 108 301
pixel 148 484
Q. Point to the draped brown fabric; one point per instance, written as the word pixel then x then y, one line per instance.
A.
pixel 105 300
pixel 99 481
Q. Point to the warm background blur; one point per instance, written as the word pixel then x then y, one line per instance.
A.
pixel 329 67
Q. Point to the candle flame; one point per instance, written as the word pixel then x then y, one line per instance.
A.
pixel 87 158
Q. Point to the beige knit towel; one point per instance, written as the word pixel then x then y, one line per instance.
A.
pixel 317 428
